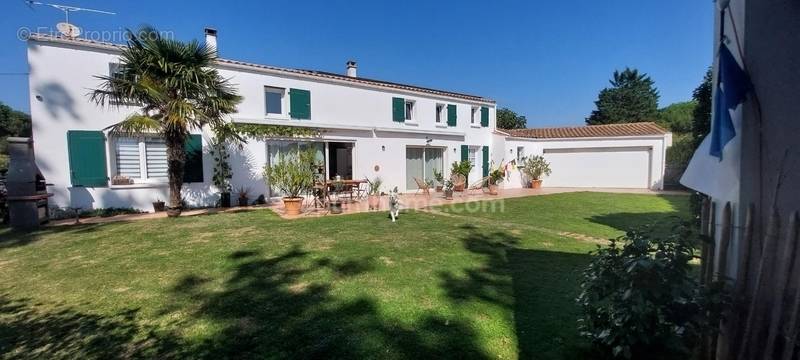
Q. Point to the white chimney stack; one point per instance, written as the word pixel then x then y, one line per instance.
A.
pixel 351 68
pixel 211 39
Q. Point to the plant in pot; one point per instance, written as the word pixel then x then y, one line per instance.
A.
pixel 448 189
pixel 495 177
pixel 222 172
pixel 244 193
pixel 374 193
pixel 462 167
pixel 158 205
pixel 336 204
pixel 292 174
pixel 439 177
pixel 534 167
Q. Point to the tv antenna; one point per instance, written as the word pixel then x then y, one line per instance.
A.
pixel 65 28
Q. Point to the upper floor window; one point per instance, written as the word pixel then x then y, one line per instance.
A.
pixel 473 118
pixel 274 100
pixel 439 113
pixel 409 110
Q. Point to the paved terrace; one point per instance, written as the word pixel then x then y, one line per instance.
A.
pixel 407 201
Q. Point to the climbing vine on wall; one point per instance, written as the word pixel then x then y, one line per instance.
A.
pixel 262 132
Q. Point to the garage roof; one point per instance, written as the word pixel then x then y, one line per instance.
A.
pixel 609 130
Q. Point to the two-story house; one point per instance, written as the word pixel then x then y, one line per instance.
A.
pixel 368 128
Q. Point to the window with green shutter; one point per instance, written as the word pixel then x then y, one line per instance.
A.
pixel 193 168
pixel 451 115
pixel 299 104
pixel 87 158
pixel 398 109
pixel 484 116
pixel 485 161
pixel 464 152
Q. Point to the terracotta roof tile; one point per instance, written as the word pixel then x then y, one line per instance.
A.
pixel 609 130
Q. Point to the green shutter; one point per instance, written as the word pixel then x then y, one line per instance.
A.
pixel 484 116
pixel 87 158
pixel 398 109
pixel 193 168
pixel 451 115
pixel 464 152
pixel 485 161
pixel 299 104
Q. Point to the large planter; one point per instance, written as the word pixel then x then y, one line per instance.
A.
pixel 458 188
pixel 158 206
pixel 439 188
pixel 243 201
pixel 336 207
pixel 292 206
pixel 374 202
pixel 174 211
pixel 225 200
pixel 493 189
pixel 448 194
pixel 536 184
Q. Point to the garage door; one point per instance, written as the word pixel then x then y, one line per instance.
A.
pixel 626 167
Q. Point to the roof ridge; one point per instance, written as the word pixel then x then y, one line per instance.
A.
pixel 312 73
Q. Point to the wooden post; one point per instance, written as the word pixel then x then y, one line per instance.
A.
pixel 793 317
pixel 704 220
pixel 781 277
pixel 724 243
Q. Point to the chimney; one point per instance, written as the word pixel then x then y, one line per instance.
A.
pixel 211 39
pixel 351 68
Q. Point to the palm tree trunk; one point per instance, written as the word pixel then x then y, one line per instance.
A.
pixel 176 158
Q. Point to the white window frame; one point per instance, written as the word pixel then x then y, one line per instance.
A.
pixel 284 114
pixel 143 178
pixel 409 113
pixel 441 115
pixel 472 155
pixel 522 153
pixel 473 117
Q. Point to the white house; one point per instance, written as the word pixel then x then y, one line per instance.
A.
pixel 368 128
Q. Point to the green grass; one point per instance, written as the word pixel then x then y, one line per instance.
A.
pixel 453 284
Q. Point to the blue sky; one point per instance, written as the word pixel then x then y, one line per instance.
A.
pixel 546 60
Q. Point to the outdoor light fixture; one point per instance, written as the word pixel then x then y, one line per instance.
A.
pixel 383 147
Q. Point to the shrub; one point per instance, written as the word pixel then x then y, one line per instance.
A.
pixel 293 173
pixel 535 166
pixel 463 167
pixel 641 299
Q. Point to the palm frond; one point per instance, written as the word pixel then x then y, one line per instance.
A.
pixel 136 124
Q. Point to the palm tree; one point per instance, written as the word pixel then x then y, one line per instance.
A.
pixel 178 89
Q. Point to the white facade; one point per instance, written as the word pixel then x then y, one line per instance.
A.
pixel 351 113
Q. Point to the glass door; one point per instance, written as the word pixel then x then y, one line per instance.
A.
pixel 421 163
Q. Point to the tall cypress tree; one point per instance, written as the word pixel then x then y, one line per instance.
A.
pixel 632 97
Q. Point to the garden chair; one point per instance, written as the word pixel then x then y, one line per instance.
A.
pixel 422 186
pixel 360 191
pixel 478 185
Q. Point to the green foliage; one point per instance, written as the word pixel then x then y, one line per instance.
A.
pixel 701 126
pixel 12 123
pixel 222 169
pixel 374 186
pixel 507 119
pixel 632 97
pixel 642 300
pixel 677 117
pixel 262 132
pixel 179 89
pixel 681 150
pixel 293 173
pixel 462 167
pixel 496 175
pixel 535 166
pixel 438 176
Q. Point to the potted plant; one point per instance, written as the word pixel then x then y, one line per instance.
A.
pixel 292 174
pixel 374 193
pixel 158 205
pixel 243 195
pixel 462 168
pixel 496 176
pixel 222 172
pixel 534 167
pixel 448 189
pixel 336 204
pixel 439 177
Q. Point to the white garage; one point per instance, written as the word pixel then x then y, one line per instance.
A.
pixel 597 156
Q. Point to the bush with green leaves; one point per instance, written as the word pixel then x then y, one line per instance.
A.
pixel 462 167
pixel 222 169
pixel 535 166
pixel 374 186
pixel 293 173
pixel 641 299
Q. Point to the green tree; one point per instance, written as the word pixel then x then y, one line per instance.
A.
pixel 701 116
pixel 632 97
pixel 677 117
pixel 12 123
pixel 507 119
pixel 178 89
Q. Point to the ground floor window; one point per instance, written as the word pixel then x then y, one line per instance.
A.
pixel 142 159
pixel 421 162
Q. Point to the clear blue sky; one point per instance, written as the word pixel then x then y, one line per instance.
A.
pixel 546 60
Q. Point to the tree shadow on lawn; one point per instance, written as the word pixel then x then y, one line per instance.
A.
pixel 267 309
pixel 538 286
pixel 659 222
pixel 10 238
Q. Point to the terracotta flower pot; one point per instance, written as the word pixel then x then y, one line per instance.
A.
pixel 174 211
pixel 458 188
pixel 292 205
pixel 448 194
pixel 536 184
pixel 374 202
pixel 158 206
pixel 243 201
pixel 439 188
pixel 493 189
pixel 225 200
pixel 336 207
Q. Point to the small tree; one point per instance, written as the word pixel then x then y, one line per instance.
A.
pixel 222 169
pixel 293 173
pixel 632 97
pixel 507 119
pixel 535 166
pixel 462 167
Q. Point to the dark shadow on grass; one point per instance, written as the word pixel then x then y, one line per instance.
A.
pixel 659 222
pixel 271 307
pixel 538 286
pixel 10 238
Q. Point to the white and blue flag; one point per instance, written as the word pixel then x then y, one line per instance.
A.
pixel 714 168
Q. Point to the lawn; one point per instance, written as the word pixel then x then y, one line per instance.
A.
pixel 447 283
